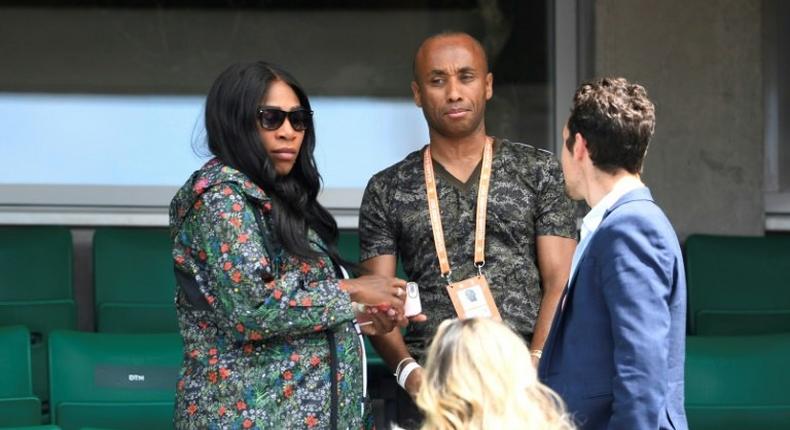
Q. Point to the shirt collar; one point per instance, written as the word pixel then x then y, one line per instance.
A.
pixel 593 219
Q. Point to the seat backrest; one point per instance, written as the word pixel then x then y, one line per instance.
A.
pixel 134 285
pixel 18 406
pixel 118 381
pixel 42 427
pixel 738 285
pixel 15 362
pixel 348 247
pixel 738 382
pixel 36 288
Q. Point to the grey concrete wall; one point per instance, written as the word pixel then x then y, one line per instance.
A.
pixel 700 61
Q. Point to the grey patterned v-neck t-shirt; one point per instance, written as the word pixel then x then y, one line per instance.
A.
pixel 526 199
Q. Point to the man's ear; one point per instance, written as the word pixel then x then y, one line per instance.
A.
pixel 489 85
pixel 415 90
pixel 579 147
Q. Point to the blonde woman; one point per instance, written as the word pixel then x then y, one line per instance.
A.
pixel 479 376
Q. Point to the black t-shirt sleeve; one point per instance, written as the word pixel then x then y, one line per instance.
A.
pixel 377 235
pixel 556 212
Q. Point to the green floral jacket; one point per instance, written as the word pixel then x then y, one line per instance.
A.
pixel 269 340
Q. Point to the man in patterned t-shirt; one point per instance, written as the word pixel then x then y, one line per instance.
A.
pixel 530 224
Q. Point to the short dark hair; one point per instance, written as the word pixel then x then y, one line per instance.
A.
pixel 446 34
pixel 617 120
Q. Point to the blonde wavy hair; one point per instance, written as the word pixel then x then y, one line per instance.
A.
pixel 479 375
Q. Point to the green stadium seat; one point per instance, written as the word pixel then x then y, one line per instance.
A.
pixel 134 285
pixel 18 405
pixel 348 246
pixel 43 427
pixel 738 285
pixel 738 382
pixel 110 380
pixel 36 289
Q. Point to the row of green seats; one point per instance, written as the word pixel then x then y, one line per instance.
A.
pixel 18 405
pixel 36 289
pixel 133 278
pixel 738 285
pixel 41 427
pixel 126 381
pixel 133 286
pixel 738 382
pixel 114 381
pixel 738 350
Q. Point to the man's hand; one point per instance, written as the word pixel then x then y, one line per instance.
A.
pixel 419 318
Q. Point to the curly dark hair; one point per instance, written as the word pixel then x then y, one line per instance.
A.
pixel 617 120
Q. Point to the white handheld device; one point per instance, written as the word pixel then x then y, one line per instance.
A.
pixel 412 306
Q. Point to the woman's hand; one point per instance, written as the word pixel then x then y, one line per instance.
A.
pixel 382 298
pixel 379 294
pixel 376 324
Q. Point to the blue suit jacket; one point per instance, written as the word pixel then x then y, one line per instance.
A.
pixel 616 348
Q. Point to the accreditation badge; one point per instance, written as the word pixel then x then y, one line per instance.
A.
pixel 472 298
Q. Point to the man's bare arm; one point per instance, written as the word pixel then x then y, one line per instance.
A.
pixel 391 346
pixel 554 263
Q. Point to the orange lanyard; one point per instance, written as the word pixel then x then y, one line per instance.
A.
pixel 480 221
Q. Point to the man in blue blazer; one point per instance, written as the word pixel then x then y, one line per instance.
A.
pixel 616 348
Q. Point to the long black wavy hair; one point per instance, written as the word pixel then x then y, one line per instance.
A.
pixel 232 135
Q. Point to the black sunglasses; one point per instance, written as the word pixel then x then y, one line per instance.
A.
pixel 273 118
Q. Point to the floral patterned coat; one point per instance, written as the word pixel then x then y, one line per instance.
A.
pixel 269 340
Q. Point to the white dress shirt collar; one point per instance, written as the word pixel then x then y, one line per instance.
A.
pixel 593 219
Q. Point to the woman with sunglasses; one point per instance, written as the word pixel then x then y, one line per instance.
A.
pixel 268 326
